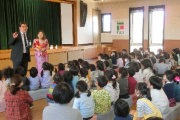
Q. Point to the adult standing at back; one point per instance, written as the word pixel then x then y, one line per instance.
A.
pixel 20 54
pixel 40 45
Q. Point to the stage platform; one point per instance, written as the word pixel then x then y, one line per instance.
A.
pixel 62 54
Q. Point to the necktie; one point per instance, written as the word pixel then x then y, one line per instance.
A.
pixel 25 42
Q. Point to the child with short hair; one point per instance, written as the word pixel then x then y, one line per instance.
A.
pixel 17 101
pixel 124 51
pixel 84 73
pixel 68 77
pixel 114 59
pixel 169 87
pixel 101 57
pixel 74 71
pixel 3 88
pixel 138 76
pixel 161 67
pixel 45 78
pixel 131 81
pixel 34 79
pixel 85 64
pixel 80 61
pixel 61 68
pixel 106 57
pixel 57 79
pixel 106 65
pixel 84 101
pixel 121 110
pixel 123 83
pixel 26 82
pixel 69 65
pixel 120 62
pixel 112 86
pixel 8 73
pixel 101 96
pixel 127 62
pixel 99 72
pixel 177 85
pixel 158 95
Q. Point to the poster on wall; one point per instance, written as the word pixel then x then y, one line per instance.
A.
pixel 120 27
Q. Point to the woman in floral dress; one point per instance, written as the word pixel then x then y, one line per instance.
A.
pixel 40 45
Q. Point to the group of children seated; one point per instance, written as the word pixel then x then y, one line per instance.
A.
pixel 153 79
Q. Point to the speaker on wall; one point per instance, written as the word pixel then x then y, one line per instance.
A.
pixel 83 13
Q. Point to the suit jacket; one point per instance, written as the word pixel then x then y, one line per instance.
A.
pixel 17 50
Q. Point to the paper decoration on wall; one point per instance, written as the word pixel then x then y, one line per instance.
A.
pixel 120 27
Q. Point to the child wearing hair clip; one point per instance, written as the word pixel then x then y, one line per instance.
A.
pixel 84 101
pixel 112 86
pixel 177 85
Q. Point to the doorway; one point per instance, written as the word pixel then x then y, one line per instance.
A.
pixel 96 26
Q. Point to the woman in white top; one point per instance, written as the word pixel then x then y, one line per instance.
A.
pixel 112 86
pixel 120 60
pixel 148 70
pixel 158 95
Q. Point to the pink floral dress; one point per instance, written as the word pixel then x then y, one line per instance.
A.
pixel 41 56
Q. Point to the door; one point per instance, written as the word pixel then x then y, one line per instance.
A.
pixel 96 26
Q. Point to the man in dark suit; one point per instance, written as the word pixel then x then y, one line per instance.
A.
pixel 20 54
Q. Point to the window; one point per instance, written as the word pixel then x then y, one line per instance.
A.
pixel 136 27
pixel 156 27
pixel 106 23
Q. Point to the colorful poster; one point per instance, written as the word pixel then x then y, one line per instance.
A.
pixel 120 27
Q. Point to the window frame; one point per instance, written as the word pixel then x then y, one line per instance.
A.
pixel 130 11
pixel 102 15
pixel 149 22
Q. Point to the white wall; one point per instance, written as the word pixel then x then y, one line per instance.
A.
pixel 85 34
pixel 120 10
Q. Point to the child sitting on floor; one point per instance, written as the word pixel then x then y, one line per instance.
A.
pixel 17 101
pixel 177 85
pixel 45 78
pixel 84 101
pixel 158 95
pixel 169 87
pixel 131 81
pixel 57 79
pixel 123 83
pixel 68 77
pixel 84 73
pixel 101 96
pixel 26 82
pixel 112 86
pixel 74 71
pixel 61 68
pixel 8 73
pixel 3 88
pixel 34 79
pixel 121 110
